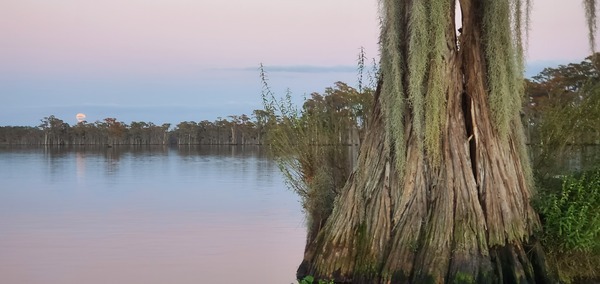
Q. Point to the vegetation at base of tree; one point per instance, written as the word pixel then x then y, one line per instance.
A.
pixel 570 210
pixel 562 122
pixel 569 205
pixel 314 145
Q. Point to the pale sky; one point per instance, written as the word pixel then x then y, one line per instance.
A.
pixel 167 61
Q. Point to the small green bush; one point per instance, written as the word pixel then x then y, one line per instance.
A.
pixel 570 213
pixel 571 216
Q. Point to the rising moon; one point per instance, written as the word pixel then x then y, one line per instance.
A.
pixel 80 117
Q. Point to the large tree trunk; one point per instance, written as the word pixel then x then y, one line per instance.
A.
pixel 466 219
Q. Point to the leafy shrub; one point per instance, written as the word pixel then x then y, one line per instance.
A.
pixel 314 144
pixel 570 215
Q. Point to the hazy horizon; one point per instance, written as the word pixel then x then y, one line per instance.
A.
pixel 179 60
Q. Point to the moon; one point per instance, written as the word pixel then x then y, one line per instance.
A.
pixel 80 117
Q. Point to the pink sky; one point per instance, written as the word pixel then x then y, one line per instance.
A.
pixel 192 51
pixel 558 31
pixel 184 34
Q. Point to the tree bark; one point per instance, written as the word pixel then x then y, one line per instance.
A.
pixel 465 220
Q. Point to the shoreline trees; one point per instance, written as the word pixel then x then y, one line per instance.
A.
pixel 562 111
pixel 110 131
pixel 340 105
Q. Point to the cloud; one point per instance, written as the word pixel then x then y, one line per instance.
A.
pixel 307 69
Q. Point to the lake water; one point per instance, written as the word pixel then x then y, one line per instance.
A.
pixel 206 214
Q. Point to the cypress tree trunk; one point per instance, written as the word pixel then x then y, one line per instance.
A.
pixel 461 215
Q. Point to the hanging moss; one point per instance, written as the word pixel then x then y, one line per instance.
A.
pixel 422 85
pixel 392 60
pixel 519 25
pixel 590 16
pixel 528 6
pixel 418 59
pixel 426 88
pixel 435 111
pixel 505 84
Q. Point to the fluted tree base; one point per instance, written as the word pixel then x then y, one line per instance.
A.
pixel 459 215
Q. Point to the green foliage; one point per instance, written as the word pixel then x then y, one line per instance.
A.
pixel 563 112
pixel 307 280
pixel 310 280
pixel 570 211
pixel 572 214
pixel 562 117
pixel 463 278
pixel 310 144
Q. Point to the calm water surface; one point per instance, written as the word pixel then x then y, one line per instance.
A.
pixel 146 215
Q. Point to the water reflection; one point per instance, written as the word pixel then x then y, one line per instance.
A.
pixel 80 161
pixel 221 150
pixel 146 215
pixel 571 159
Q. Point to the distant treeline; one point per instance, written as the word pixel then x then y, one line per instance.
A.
pixel 233 130
pixel 561 107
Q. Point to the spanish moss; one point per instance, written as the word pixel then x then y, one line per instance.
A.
pixel 436 98
pixel 505 86
pixel 418 53
pixel 425 89
pixel 392 60
pixel 590 16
